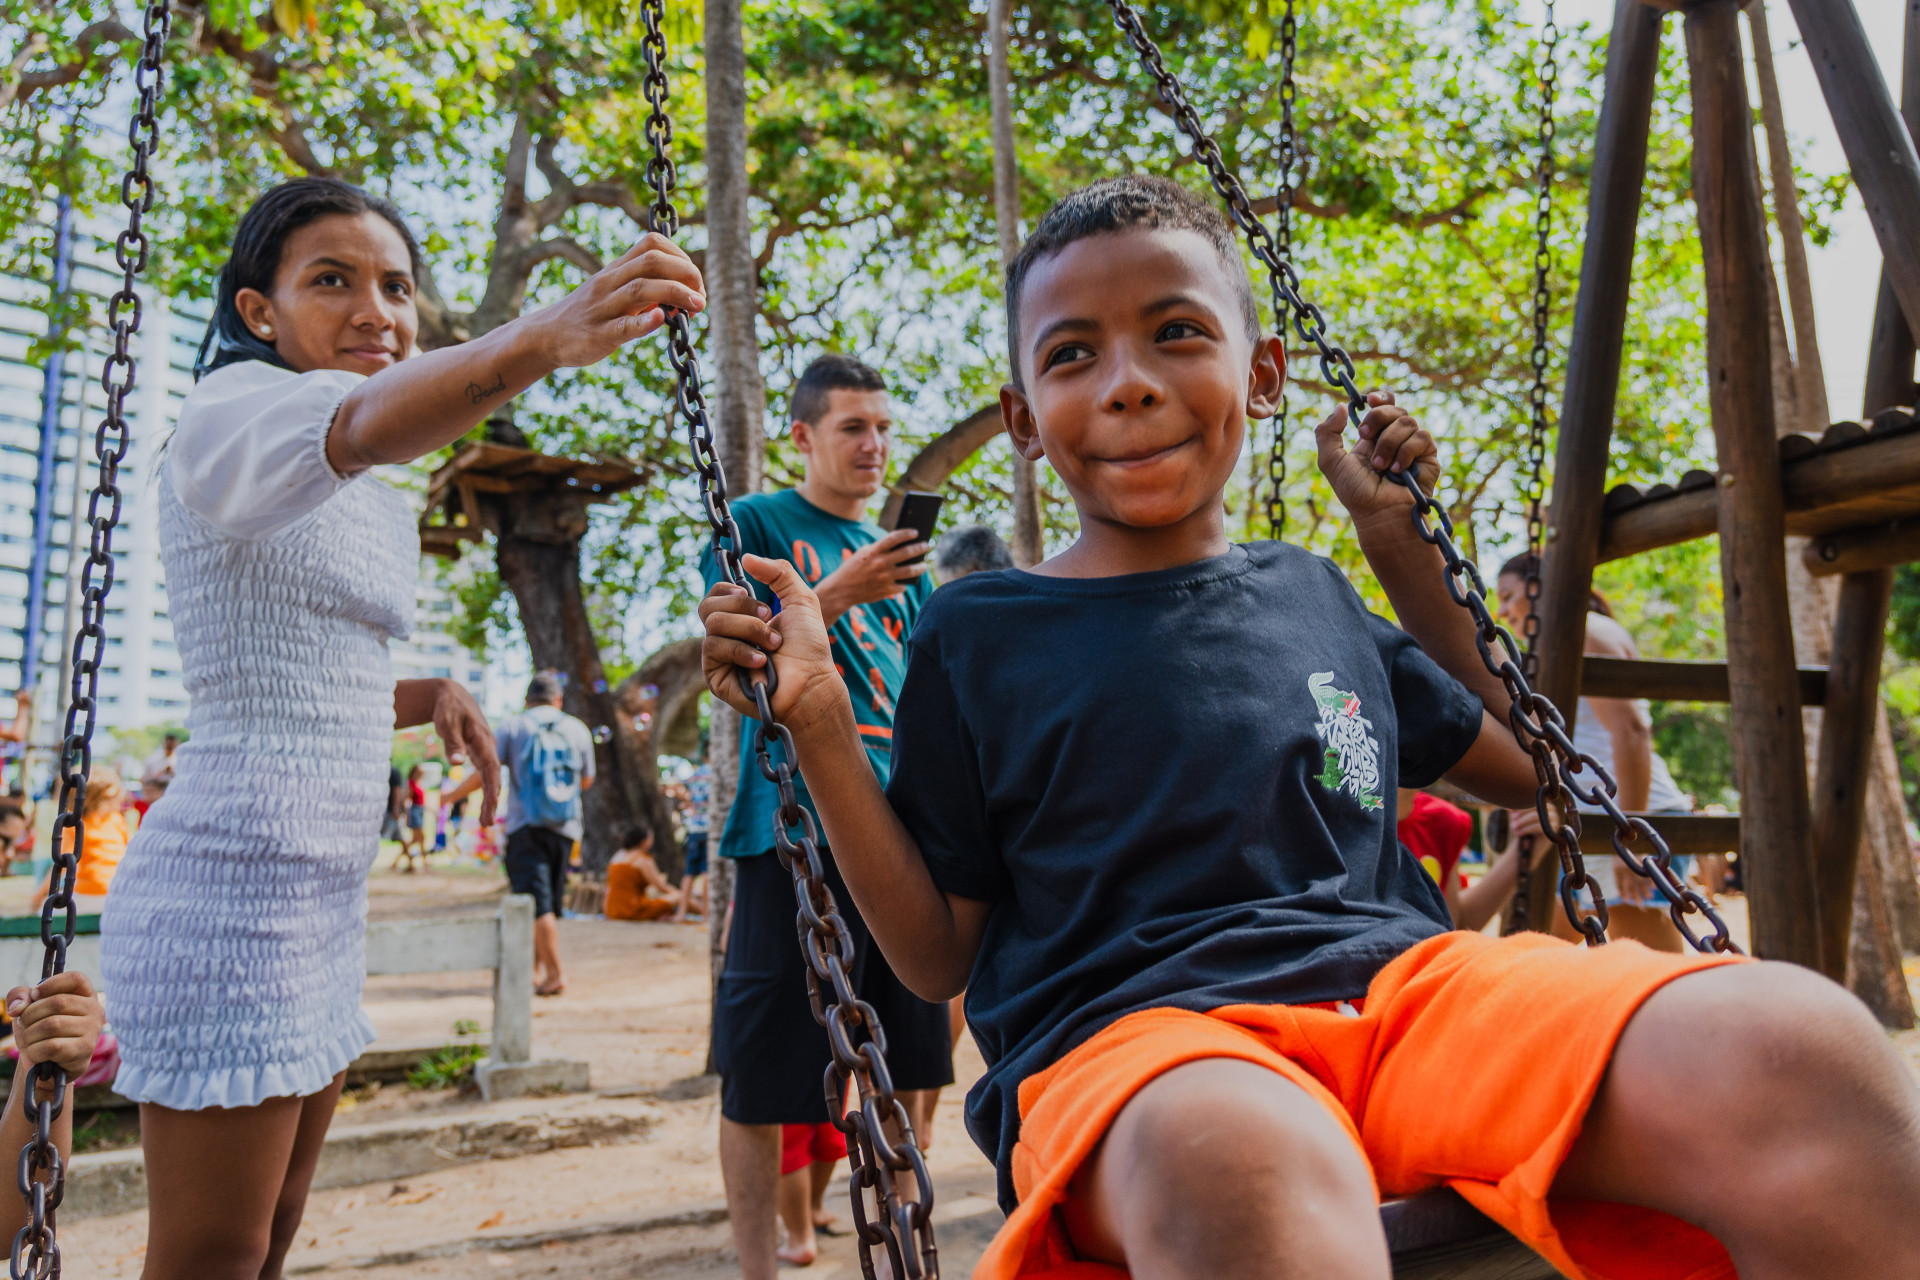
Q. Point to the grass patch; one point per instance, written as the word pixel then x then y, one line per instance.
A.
pixel 448 1068
pixel 106 1131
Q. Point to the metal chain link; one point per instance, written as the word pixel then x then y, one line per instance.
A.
pixel 41 1174
pixel 892 1189
pixel 1536 723
pixel 1549 82
pixel 1283 220
pixel 1519 918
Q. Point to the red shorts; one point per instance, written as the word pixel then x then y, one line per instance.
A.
pixel 1537 1020
pixel 802 1144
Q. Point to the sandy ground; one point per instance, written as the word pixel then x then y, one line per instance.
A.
pixel 636 1011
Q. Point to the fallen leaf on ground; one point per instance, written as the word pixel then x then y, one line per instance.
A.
pixel 414 1197
pixel 494 1221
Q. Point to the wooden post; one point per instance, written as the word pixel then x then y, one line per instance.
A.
pixel 1769 743
pixel 1846 754
pixel 1880 151
pixel 1890 351
pixel 1593 370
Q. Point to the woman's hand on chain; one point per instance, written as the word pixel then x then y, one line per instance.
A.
pixel 626 299
pixel 58 1021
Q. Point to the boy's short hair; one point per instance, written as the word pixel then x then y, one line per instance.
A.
pixel 813 393
pixel 638 833
pixel 1134 202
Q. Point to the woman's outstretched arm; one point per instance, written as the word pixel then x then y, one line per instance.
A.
pixel 426 403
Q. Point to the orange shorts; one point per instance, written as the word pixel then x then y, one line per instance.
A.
pixel 1471 1064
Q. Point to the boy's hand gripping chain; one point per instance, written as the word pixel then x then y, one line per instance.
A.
pixel 1535 721
pixel 36 1251
pixel 903 1225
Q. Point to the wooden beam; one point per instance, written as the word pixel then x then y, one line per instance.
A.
pixel 1769 744
pixel 1881 546
pixel 1678 681
pixel 1846 751
pixel 1593 367
pixel 1880 151
pixel 1868 483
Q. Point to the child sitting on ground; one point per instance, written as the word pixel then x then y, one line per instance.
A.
pixel 636 888
pixel 1138 810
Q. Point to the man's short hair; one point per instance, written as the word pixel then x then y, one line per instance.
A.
pixel 1135 202
pixel 971 548
pixel 543 688
pixel 813 393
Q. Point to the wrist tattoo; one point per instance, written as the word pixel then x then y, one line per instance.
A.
pixel 476 393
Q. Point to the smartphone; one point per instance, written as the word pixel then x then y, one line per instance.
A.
pixel 919 512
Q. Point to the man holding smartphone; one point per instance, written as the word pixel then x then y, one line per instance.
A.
pixel 871 584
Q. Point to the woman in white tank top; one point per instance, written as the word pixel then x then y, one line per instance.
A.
pixel 1618 733
pixel 233 942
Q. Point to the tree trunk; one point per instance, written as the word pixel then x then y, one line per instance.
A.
pixel 740 402
pixel 1029 543
pixel 537 543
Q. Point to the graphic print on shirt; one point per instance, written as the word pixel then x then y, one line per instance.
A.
pixel 1352 761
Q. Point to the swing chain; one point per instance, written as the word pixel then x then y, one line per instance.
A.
pixel 892 1188
pixel 1536 723
pixel 41 1175
pixel 1283 219
pixel 1519 919
pixel 1542 302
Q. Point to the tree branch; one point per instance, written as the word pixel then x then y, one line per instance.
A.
pixel 566 193
pixel 563 247
pixel 23 84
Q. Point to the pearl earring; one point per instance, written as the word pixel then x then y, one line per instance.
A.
pixel 266 331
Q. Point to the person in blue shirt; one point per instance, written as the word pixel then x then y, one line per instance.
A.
pixel 770 1052
pixel 1139 810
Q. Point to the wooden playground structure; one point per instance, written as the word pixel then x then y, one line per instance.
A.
pixel 1855 491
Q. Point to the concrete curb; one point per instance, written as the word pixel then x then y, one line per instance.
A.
pixel 115 1181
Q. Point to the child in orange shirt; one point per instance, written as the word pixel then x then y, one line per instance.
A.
pixel 105 843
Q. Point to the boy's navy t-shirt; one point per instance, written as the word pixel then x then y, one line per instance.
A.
pixel 1176 787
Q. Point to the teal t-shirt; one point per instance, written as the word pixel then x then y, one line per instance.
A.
pixel 869 644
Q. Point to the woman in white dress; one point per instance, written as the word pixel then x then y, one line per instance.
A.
pixel 233 942
pixel 1618 732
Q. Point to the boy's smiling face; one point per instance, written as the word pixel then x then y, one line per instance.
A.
pixel 1139 375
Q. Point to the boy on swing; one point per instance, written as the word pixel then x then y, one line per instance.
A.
pixel 1222 1008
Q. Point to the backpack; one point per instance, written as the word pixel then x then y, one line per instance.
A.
pixel 545 775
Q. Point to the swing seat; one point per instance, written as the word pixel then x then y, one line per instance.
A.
pixel 1439 1236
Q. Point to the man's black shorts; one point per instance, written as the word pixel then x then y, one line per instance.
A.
pixel 771 1053
pixel 537 865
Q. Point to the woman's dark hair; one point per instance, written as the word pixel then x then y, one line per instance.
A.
pixel 254 260
pixel 1521 565
pixel 638 833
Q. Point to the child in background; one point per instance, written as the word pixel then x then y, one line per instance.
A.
pixel 105 829
pixel 636 889
pixel 808 1155
pixel 413 841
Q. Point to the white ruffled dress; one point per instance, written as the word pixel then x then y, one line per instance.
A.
pixel 233 943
